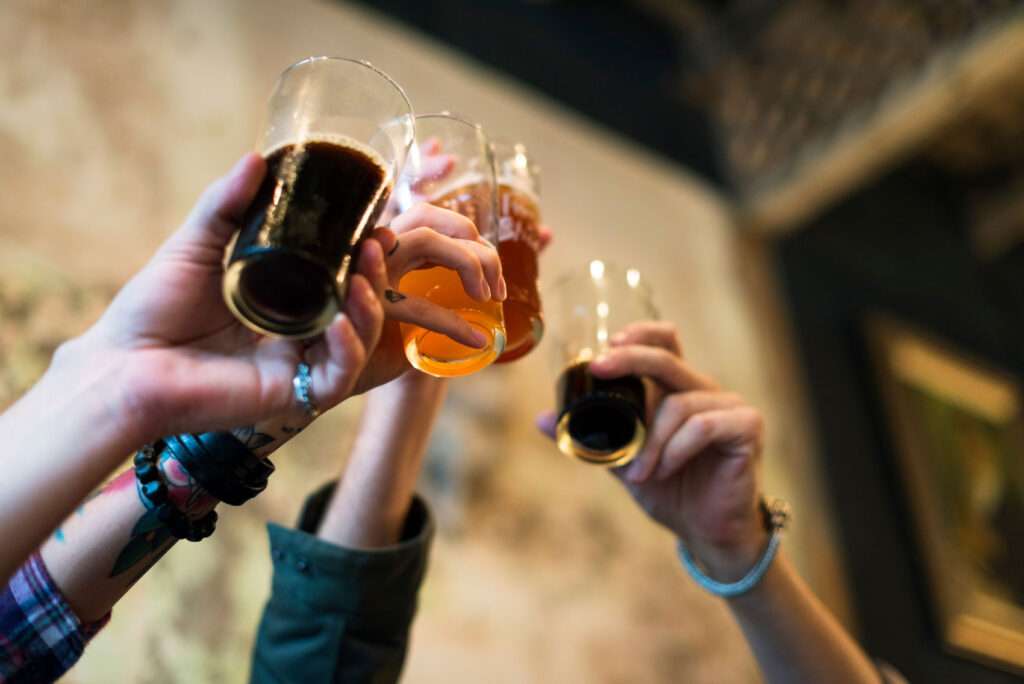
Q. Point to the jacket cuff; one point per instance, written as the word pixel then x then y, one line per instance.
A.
pixel 352 581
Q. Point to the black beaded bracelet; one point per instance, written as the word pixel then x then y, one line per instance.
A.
pixel 153 489
pixel 222 465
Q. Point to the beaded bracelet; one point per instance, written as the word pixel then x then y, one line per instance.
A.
pixel 776 516
pixel 153 489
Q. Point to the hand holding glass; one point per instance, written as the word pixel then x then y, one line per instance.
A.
pixel 335 136
pixel 600 421
pixel 465 185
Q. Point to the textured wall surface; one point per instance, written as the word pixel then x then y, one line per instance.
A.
pixel 116 115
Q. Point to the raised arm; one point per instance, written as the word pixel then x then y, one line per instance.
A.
pixel 698 475
pixel 346 581
pixel 166 357
pixel 134 376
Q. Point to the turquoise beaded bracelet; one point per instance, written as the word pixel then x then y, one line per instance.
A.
pixel 776 514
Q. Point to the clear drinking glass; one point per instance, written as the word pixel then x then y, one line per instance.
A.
pixel 519 244
pixel 469 189
pixel 599 421
pixel 335 136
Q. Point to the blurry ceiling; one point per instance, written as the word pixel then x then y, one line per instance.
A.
pixel 782 104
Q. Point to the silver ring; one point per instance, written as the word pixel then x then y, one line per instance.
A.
pixel 302 382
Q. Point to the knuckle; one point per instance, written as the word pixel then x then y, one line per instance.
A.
pixel 734 398
pixel 755 418
pixel 700 426
pixel 466 225
pixel 424 237
pixel 679 402
pixel 421 211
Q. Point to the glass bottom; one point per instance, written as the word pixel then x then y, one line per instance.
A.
pixel 443 357
pixel 525 329
pixel 611 457
pixel 281 294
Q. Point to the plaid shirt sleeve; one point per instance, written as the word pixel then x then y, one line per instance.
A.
pixel 40 636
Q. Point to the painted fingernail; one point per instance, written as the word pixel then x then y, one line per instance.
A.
pixel 479 339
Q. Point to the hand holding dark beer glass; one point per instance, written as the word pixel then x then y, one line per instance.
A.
pixel 335 137
pixel 601 420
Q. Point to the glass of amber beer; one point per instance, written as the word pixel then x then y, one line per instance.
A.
pixel 335 136
pixel 600 421
pixel 519 243
pixel 468 187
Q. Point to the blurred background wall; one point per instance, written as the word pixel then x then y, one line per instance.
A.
pixel 778 170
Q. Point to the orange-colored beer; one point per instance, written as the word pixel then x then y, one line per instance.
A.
pixel 433 352
pixel 519 242
pixel 438 354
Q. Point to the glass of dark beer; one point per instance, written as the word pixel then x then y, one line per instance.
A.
pixel 599 421
pixel 467 186
pixel 518 245
pixel 335 137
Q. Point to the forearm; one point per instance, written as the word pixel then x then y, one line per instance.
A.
pixel 114 538
pixel 103 548
pixel 793 636
pixel 370 505
pixel 59 441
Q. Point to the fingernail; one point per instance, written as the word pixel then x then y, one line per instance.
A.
pixel 601 360
pixel 479 339
pixel 486 288
pixel 502 290
pixel 618 338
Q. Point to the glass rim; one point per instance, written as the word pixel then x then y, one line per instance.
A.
pixel 445 114
pixel 353 60
pixel 642 282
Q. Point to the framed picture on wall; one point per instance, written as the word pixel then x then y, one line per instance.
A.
pixel 958 435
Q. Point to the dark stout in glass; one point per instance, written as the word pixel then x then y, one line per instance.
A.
pixel 600 421
pixel 290 264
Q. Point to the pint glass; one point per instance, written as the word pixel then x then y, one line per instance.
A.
pixel 599 421
pixel 335 137
pixel 519 243
pixel 468 189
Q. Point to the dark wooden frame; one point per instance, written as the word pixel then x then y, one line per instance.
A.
pixel 972 618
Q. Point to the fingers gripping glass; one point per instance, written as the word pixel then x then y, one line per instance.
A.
pixel 335 137
pixel 465 183
pixel 601 421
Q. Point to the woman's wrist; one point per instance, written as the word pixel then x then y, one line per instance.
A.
pixel 370 504
pixel 99 375
pixel 729 558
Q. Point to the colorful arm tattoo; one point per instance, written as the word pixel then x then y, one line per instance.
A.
pixel 150 538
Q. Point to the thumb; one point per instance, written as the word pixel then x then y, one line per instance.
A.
pixel 219 211
pixel 546 422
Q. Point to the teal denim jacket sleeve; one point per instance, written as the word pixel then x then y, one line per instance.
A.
pixel 337 614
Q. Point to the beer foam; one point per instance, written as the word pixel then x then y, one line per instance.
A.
pixel 340 140
pixel 513 182
pixel 466 179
